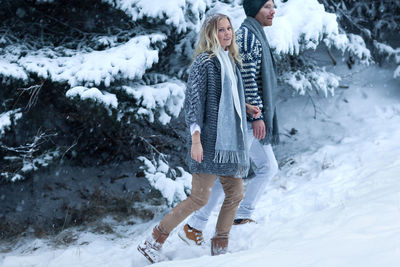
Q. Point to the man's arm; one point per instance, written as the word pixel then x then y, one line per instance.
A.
pixel 251 56
pixel 250 52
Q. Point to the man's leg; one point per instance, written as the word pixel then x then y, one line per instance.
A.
pixel 267 167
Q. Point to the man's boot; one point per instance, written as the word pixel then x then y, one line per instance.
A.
pixel 243 221
pixel 191 235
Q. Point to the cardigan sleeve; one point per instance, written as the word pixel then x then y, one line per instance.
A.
pixel 196 91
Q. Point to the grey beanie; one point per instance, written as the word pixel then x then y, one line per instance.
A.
pixel 251 7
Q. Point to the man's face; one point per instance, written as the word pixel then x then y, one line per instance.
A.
pixel 266 14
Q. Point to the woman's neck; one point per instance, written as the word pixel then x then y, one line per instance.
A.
pixel 225 48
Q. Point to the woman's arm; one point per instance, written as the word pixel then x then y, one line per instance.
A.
pixel 253 110
pixel 196 93
pixel 195 104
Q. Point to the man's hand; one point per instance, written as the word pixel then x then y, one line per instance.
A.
pixel 253 110
pixel 196 152
pixel 259 129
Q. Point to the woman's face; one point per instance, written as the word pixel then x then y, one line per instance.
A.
pixel 225 32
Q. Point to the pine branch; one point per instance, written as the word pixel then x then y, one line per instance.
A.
pixel 330 55
pixel 33 91
pixel 313 103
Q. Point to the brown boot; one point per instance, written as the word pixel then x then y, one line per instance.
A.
pixel 151 247
pixel 191 235
pixel 219 245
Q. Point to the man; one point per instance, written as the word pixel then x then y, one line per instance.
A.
pixel 259 78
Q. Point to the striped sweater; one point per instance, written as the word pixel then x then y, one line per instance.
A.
pixel 250 51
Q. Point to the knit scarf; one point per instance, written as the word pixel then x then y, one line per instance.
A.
pixel 269 83
pixel 231 142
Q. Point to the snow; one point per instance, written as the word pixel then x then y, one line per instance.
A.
pixel 17 177
pixel 158 172
pixel 290 32
pixel 42 160
pixel 165 99
pixel 302 82
pixel 175 12
pixel 95 94
pixel 6 117
pixel 335 201
pixel 390 52
pixel 127 61
pixel 8 69
pixel 357 46
pixel 397 73
pixel 352 43
pixel 235 13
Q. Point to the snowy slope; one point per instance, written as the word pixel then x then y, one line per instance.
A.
pixel 335 202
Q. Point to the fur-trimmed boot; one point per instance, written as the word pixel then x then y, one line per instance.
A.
pixel 151 247
pixel 191 235
pixel 219 245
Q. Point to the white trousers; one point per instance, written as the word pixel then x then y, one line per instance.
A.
pixel 267 166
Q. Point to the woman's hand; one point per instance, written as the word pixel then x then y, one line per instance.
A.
pixel 253 110
pixel 196 152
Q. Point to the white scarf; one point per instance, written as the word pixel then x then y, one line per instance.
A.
pixel 231 142
pixel 227 69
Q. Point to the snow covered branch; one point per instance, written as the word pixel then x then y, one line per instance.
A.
pixel 163 99
pixel 184 15
pixel 374 21
pixel 158 173
pixel 26 158
pixel 391 54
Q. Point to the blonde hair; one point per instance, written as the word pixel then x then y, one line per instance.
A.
pixel 208 41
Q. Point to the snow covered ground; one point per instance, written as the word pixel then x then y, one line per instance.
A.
pixel 335 202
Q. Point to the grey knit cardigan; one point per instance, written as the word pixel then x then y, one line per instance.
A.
pixel 201 106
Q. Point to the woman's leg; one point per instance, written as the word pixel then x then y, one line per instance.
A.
pixel 233 188
pixel 199 218
pixel 201 187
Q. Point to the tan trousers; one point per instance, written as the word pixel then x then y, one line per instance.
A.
pixel 201 188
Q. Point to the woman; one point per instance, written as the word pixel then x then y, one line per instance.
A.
pixel 215 115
